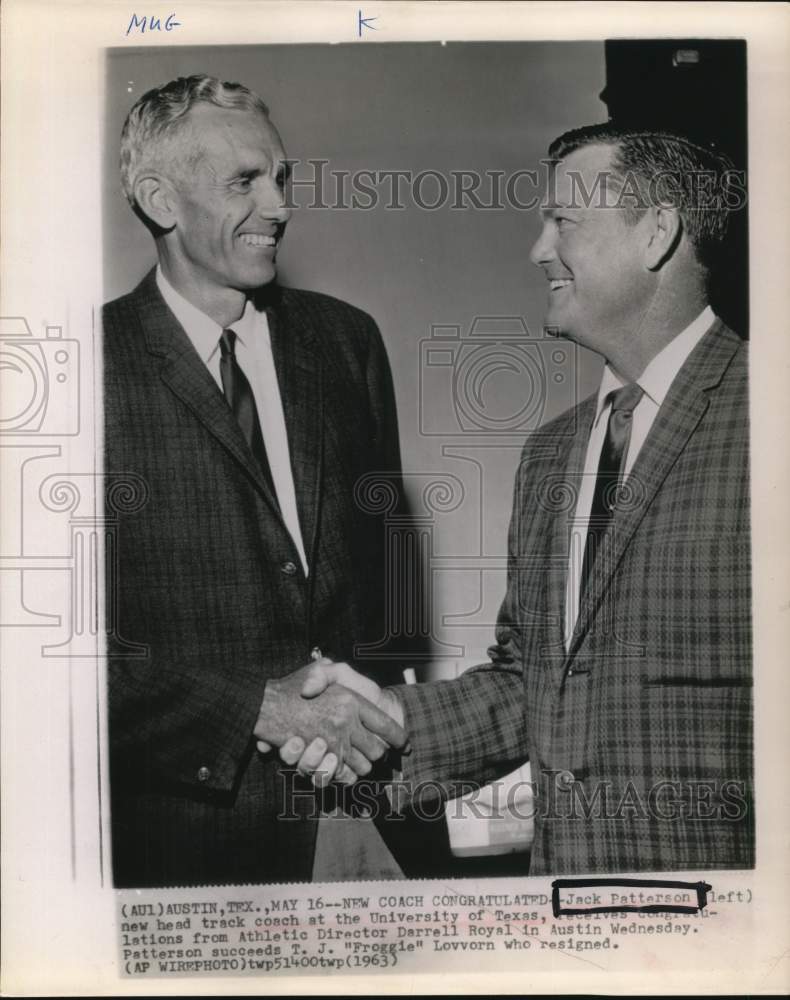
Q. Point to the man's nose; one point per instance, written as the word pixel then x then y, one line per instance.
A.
pixel 542 251
pixel 272 203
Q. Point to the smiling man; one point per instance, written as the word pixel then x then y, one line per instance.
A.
pixel 249 411
pixel 622 663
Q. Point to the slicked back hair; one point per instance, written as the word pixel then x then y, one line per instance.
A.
pixel 665 168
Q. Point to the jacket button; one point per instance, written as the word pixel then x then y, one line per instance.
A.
pixel 203 774
pixel 289 568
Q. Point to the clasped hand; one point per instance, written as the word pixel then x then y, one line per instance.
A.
pixel 330 721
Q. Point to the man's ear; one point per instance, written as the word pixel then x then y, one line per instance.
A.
pixel 666 228
pixel 156 197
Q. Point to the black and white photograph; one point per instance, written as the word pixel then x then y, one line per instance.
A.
pixel 273 528
pixel 394 510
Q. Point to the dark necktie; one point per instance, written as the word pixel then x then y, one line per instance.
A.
pixel 610 472
pixel 241 400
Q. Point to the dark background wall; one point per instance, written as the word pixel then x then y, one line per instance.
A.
pixel 697 87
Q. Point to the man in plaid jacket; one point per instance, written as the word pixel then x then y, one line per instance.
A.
pixel 622 662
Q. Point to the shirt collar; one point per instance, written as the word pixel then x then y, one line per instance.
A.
pixel 252 327
pixel 201 329
pixel 656 379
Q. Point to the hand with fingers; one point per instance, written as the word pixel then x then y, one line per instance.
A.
pixel 313 757
pixel 343 730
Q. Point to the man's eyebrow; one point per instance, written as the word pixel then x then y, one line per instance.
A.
pixel 283 167
pixel 550 208
pixel 246 172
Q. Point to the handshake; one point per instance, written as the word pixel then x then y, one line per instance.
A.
pixel 329 721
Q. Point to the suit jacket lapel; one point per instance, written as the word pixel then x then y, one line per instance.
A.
pixel 677 419
pixel 297 357
pixel 185 374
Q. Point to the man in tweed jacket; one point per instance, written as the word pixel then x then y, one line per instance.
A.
pixel 631 693
pixel 231 573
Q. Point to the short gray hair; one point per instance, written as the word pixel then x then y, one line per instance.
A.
pixel 160 116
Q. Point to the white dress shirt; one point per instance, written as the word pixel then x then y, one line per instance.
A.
pixel 255 358
pixel 655 381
